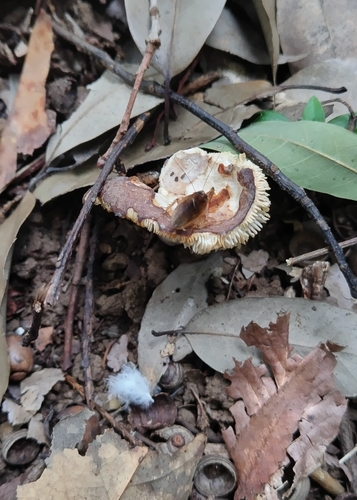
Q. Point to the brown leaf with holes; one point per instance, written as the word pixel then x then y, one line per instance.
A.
pixel 27 126
pixel 301 396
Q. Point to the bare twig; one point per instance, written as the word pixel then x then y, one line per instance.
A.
pixel 152 43
pixel 318 253
pixel 67 249
pixel 71 311
pixel 117 426
pixel 37 312
pixel 268 167
pixel 87 332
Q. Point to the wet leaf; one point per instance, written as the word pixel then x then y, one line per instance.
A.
pixel 101 111
pixel 27 127
pixel 316 156
pixel 166 477
pixel 321 30
pixel 299 396
pixel 185 26
pixel 311 322
pixel 313 111
pixel 104 472
pixel 266 10
pixel 172 305
pixel 8 233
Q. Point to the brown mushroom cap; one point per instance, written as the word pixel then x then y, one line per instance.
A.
pixel 235 188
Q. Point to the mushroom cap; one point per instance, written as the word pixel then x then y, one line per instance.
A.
pixel 207 201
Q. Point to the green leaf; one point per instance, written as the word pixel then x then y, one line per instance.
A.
pixel 269 116
pixel 342 121
pixel 316 156
pixel 314 111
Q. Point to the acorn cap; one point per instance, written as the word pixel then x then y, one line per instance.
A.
pixel 206 201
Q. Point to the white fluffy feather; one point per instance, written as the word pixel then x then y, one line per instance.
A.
pixel 130 386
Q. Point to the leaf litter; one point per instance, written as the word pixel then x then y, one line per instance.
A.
pixel 142 259
pixel 300 395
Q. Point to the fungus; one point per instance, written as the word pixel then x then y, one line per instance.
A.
pixel 207 201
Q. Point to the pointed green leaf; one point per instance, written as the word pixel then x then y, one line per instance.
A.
pixel 314 111
pixel 269 116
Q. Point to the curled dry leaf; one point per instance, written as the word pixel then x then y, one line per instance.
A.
pixel 301 397
pixel 27 127
pixel 207 201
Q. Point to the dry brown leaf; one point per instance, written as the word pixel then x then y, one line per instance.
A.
pixel 103 473
pixel 44 338
pixel 27 127
pixel 35 387
pixel 302 396
pixel 118 354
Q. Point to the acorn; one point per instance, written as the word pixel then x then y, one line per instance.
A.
pixel 20 358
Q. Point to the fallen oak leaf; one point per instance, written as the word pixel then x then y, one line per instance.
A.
pixel 27 127
pixel 269 411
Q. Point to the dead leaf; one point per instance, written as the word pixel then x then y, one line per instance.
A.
pixel 185 26
pixel 173 303
pixel 74 431
pixel 101 111
pixel 44 338
pixel 16 414
pixel 338 289
pixel 312 322
pixel 103 472
pixel 27 126
pixel 8 233
pixel 228 96
pixel 320 29
pixel 118 354
pixel 266 11
pixel 301 396
pixel 255 261
pixel 36 430
pixel 35 387
pixel 166 477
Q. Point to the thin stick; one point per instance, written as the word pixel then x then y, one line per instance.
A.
pixel 67 249
pixel 318 253
pixel 72 306
pixel 259 159
pixel 87 332
pixel 152 44
pixel 352 119
pixel 117 426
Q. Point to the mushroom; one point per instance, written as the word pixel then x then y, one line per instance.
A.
pixel 207 201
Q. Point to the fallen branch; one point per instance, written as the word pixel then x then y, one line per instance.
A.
pixel 267 166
